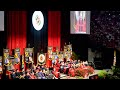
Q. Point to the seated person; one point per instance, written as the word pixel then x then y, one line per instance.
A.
pixel 17 60
pixel 50 76
pixel 61 68
pixel 86 63
pixel 6 61
pixel 75 62
pixel 64 60
pixel 30 59
pixel 13 75
pixel 45 72
pixel 50 69
pixel 17 74
pixel 22 76
pixel 40 74
pixel 79 61
pixel 22 71
pixel 42 67
pixel 27 75
pixel 27 60
pixel 32 75
pixel 36 73
pixel 56 74
pixel 53 62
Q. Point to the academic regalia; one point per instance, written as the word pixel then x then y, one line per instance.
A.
pixel 13 76
pixel 17 74
pixel 27 77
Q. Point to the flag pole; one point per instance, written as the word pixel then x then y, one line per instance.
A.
pixel 114 60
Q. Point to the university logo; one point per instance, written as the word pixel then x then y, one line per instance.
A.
pixel 38 22
pixel 41 58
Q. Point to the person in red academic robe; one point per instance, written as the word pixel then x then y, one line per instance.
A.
pixel 80 24
pixel 32 76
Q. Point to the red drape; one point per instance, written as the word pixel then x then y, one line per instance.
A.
pixel 54 30
pixel 16 31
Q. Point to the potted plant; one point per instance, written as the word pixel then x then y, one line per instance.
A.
pixel 102 74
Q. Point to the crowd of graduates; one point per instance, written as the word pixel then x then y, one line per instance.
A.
pixel 43 72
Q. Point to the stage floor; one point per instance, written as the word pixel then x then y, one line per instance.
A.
pixel 64 76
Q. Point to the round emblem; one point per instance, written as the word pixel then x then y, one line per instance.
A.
pixel 41 58
pixel 38 20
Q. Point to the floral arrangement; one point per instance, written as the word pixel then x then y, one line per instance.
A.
pixel 90 69
pixel 84 72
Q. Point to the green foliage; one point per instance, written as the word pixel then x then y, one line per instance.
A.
pixel 74 56
pixel 106 75
pixel 102 74
pixel 116 70
pixel 112 77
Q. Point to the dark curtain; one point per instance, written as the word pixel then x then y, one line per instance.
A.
pixel 107 57
pixel 37 39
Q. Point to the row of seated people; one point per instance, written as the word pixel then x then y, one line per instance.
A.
pixel 37 73
pixel 67 67
pixel 41 72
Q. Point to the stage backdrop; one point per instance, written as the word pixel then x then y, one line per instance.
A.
pixel 16 30
pixel 37 39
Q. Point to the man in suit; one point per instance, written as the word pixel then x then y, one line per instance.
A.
pixel 13 75
pixel 17 74
pixel 27 75
pixel 40 75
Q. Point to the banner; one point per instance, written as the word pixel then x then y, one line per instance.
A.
pixel 69 52
pixel 61 56
pixel 6 61
pixel 6 56
pixel 65 51
pixel 17 55
pixel 69 48
pixel 29 55
pixel 22 62
pixel 50 52
pixel 54 56
pixel 41 59
pixel 57 50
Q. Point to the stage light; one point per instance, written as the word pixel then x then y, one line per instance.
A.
pixel 38 20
